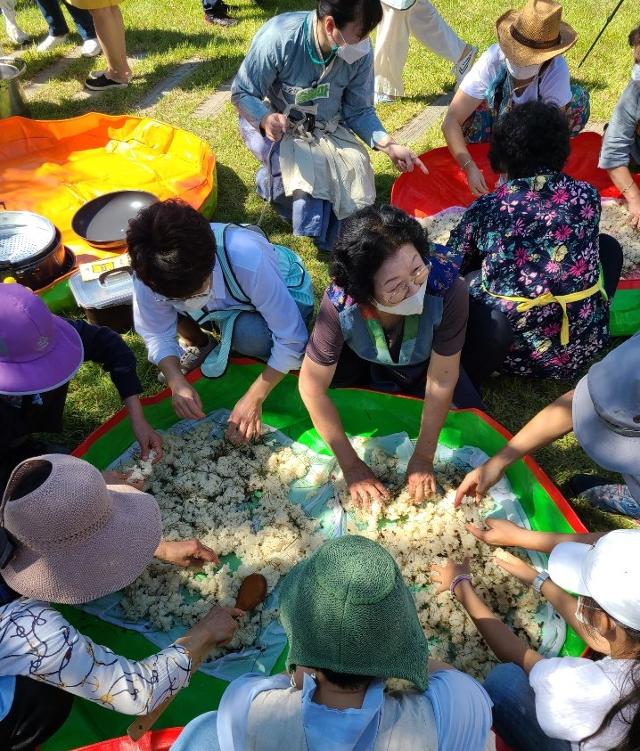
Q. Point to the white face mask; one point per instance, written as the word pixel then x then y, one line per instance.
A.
pixel 521 73
pixel 635 72
pixel 410 306
pixel 351 53
pixel 195 303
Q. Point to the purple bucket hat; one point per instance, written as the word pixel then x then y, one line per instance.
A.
pixel 38 351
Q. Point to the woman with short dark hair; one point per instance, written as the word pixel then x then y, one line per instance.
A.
pixel 394 319
pixel 192 278
pixel 304 92
pixel 535 249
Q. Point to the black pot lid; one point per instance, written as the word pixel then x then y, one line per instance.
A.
pixel 24 236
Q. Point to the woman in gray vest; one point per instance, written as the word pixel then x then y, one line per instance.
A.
pixel 189 276
pixel 394 319
pixel 351 623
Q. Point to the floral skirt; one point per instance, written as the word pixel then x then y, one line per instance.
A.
pixel 478 126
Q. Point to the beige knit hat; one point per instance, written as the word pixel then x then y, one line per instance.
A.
pixel 535 34
pixel 75 538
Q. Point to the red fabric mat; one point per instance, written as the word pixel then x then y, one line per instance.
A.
pixel 446 185
pixel 157 740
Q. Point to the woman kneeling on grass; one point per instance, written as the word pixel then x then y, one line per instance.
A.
pixel 351 623
pixel 526 65
pixel 192 278
pixel 304 92
pixel 533 253
pixel 620 153
pixel 68 537
pixel 393 319
pixel 564 703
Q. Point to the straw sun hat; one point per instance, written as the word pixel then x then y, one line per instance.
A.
pixel 535 34
pixel 75 538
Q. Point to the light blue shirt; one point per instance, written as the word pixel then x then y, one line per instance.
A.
pixel 7 692
pixel 461 708
pixel 621 140
pixel 278 66
pixel 255 265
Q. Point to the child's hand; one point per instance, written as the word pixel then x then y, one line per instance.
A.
pixel 516 566
pixel 501 532
pixel 442 576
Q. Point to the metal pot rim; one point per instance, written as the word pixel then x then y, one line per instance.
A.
pixel 26 219
pixel 12 62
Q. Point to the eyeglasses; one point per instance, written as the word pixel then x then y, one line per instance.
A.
pixel 202 292
pixel 401 291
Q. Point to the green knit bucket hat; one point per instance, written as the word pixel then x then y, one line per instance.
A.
pixel 346 608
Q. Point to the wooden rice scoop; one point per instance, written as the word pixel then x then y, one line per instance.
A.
pixel 252 592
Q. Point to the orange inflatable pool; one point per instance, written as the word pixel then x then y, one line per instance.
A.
pixel 53 167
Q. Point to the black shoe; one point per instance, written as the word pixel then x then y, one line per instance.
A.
pixel 578 484
pixel 101 83
pixel 219 15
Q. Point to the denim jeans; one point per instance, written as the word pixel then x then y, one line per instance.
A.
pixel 252 337
pixel 52 14
pixel 514 711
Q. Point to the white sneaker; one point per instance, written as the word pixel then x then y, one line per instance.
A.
pixel 91 48
pixel 15 33
pixel 50 42
pixel 382 98
pixel 463 66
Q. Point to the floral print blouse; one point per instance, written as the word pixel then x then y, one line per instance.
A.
pixel 533 236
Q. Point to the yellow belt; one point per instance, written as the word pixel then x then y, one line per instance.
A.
pixel 526 303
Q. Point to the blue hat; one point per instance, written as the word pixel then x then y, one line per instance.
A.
pixel 606 409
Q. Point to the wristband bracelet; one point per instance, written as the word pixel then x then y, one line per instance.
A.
pixel 457 580
pixel 540 579
pixel 464 166
pixel 631 184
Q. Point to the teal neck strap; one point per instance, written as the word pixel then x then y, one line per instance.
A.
pixel 310 48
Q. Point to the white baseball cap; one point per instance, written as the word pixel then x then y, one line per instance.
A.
pixel 608 571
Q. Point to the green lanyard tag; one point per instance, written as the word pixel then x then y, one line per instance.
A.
pixel 316 92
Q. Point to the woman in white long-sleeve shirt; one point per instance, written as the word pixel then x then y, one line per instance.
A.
pixel 189 274
pixel 67 537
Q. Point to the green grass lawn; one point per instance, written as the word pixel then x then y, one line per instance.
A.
pixel 160 35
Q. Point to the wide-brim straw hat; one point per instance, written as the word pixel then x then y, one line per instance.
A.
pixel 535 34
pixel 76 538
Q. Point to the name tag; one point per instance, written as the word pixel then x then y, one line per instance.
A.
pixel 317 92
